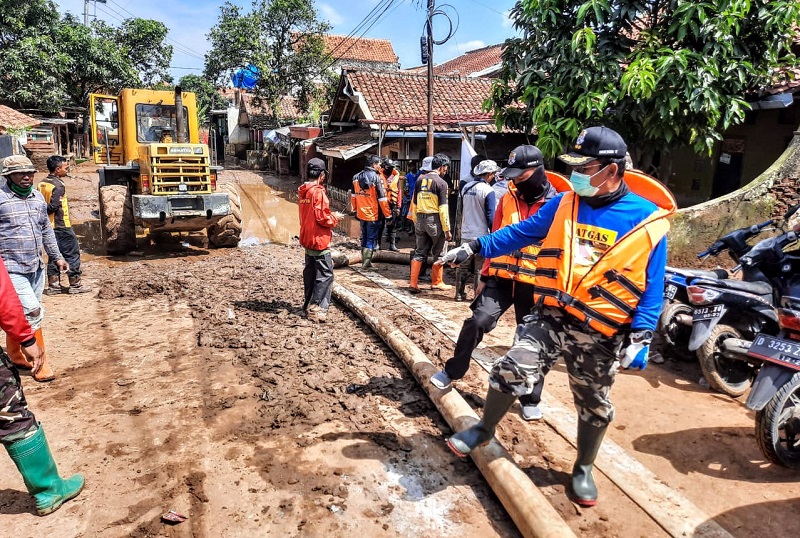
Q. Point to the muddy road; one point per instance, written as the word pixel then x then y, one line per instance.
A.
pixel 189 381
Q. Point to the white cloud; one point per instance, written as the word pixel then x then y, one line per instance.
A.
pixel 330 13
pixel 507 22
pixel 461 48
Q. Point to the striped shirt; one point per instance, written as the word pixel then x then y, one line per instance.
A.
pixel 25 231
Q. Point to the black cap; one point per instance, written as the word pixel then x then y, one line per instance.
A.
pixel 595 143
pixel 520 159
pixel 316 164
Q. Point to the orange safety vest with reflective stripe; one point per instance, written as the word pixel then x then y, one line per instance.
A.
pixel 392 184
pixel 606 297
pixel 368 203
pixel 520 265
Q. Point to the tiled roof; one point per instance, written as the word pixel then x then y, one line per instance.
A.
pixel 399 100
pixel 261 115
pixel 466 64
pixel 10 118
pixel 363 49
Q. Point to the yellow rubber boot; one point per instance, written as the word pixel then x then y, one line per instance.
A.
pixel 416 267
pixel 436 278
pixel 45 372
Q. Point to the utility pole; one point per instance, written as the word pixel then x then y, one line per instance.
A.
pixel 86 10
pixel 431 8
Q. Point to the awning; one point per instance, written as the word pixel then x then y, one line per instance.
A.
pixel 346 144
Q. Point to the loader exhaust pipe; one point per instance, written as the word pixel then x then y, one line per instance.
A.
pixel 180 119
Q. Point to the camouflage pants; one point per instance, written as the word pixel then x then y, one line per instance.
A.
pixel 592 361
pixel 16 420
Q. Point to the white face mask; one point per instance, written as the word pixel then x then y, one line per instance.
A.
pixel 582 183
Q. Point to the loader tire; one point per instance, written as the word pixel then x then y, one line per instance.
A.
pixel 116 219
pixel 226 232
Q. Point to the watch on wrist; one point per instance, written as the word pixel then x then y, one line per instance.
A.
pixel 641 336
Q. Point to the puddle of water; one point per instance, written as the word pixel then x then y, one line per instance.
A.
pixel 267 217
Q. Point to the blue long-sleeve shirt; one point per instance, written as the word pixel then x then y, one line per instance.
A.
pixel 614 221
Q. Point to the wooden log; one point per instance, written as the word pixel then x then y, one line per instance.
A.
pixel 345 259
pixel 533 515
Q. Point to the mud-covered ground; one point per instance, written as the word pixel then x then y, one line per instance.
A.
pixel 190 382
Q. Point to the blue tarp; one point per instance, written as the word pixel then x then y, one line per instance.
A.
pixel 245 78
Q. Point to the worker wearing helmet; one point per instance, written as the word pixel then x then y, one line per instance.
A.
pixel 371 205
pixel 432 222
pixel 25 233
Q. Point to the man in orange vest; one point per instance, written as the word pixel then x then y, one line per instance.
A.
pixel 599 284
pixel 508 280
pixel 369 201
pixel 393 182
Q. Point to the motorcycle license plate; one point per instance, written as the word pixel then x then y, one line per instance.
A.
pixel 669 291
pixel 707 312
pixel 776 350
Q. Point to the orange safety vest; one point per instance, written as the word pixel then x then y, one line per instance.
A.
pixel 365 202
pixel 520 265
pixel 606 297
pixel 392 184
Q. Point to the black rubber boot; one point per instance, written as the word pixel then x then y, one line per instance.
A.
pixel 392 241
pixel 589 440
pixel 497 405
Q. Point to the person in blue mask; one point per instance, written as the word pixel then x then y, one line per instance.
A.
pixel 598 290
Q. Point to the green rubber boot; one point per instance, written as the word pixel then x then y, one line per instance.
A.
pixel 35 463
pixel 589 440
pixel 366 259
pixel 497 405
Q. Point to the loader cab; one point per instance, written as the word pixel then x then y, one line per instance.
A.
pixel 127 122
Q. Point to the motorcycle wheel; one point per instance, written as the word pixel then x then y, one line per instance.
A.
pixel 778 426
pixel 676 336
pixel 724 375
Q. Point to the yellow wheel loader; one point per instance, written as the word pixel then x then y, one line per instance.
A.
pixel 155 173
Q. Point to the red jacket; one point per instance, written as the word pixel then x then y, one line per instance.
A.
pixel 316 219
pixel 12 317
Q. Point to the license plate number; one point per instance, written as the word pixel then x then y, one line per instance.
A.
pixel 707 312
pixel 777 350
pixel 670 290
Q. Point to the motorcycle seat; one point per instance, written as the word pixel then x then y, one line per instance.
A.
pixel 756 288
pixel 687 273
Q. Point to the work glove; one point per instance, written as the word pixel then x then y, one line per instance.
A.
pixel 457 256
pixel 636 353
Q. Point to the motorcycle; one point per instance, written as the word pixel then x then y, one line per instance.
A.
pixel 675 321
pixel 730 313
pixel 775 394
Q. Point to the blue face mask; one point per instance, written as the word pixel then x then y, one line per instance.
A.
pixel 582 183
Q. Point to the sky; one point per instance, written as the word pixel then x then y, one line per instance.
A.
pixel 480 23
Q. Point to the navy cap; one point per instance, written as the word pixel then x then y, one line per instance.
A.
pixel 316 164
pixel 520 159
pixel 595 143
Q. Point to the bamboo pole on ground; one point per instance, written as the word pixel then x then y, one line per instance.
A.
pixel 533 515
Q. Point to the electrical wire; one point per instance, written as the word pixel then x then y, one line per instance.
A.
pixel 177 45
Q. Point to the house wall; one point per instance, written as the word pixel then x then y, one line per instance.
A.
pixel 765 136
